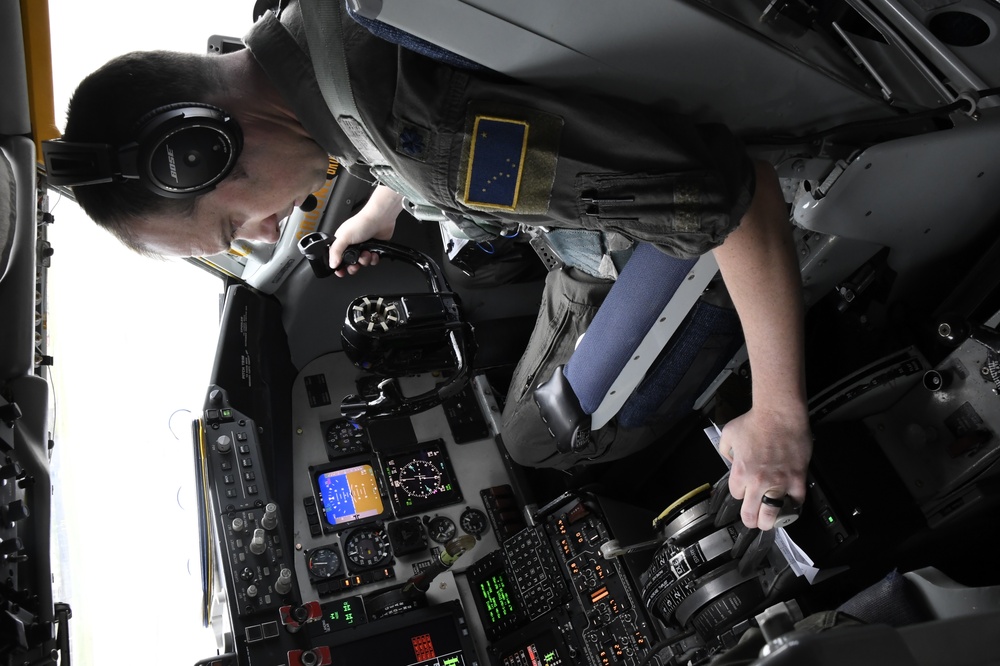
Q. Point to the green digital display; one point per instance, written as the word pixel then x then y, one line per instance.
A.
pixel 343 613
pixel 496 597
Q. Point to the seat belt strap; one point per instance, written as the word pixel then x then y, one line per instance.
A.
pixel 330 62
pixel 324 29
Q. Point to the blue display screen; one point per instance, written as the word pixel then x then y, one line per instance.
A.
pixel 349 494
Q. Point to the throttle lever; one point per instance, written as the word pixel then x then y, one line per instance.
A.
pixel 788 513
pixel 315 247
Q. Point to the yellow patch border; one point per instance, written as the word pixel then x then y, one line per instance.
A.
pixel 472 160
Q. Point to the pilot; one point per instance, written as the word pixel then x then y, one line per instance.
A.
pixel 489 152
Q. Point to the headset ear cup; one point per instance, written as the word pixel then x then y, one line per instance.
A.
pixel 183 150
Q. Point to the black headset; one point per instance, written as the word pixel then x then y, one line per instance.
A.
pixel 180 150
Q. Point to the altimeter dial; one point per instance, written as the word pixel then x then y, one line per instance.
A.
pixel 367 548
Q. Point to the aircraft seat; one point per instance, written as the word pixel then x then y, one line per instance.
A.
pixel 941 623
pixel 623 366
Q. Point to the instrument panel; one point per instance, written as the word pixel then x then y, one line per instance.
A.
pixel 387 493
pixel 330 539
pixel 378 508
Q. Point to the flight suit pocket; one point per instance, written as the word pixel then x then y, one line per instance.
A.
pixel 686 213
pixel 569 302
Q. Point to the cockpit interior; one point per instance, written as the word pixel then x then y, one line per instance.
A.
pixel 357 500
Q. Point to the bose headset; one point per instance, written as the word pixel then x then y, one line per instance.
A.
pixel 180 150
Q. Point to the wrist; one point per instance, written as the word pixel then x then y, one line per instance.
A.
pixel 791 409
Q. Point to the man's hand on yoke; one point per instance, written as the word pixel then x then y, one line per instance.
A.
pixel 376 219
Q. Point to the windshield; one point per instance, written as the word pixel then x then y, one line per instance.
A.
pixel 133 341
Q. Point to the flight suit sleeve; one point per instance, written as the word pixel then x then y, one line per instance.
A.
pixel 500 150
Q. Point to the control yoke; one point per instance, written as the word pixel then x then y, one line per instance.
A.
pixel 400 334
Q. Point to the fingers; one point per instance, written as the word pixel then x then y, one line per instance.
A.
pixel 364 259
pixel 769 460
pixel 770 506
pixel 345 265
pixel 771 501
pixel 336 253
pixel 761 511
pixel 762 503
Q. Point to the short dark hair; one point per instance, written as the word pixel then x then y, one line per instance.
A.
pixel 106 108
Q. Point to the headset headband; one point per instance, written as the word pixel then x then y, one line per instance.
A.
pixel 180 150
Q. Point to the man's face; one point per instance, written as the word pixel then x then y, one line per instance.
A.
pixel 275 172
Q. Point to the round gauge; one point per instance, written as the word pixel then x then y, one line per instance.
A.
pixel 323 563
pixel 441 529
pixel 344 436
pixel 368 547
pixel 420 478
pixel 473 521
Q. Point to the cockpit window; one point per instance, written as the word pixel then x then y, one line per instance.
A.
pixel 132 341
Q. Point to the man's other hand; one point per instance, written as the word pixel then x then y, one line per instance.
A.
pixel 770 455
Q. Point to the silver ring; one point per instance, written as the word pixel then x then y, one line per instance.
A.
pixel 776 502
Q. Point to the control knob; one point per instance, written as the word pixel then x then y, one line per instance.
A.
pixel 284 583
pixel 15 511
pixel 257 545
pixel 224 443
pixel 270 519
pixel 10 547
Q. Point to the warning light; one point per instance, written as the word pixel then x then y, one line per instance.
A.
pixel 423 647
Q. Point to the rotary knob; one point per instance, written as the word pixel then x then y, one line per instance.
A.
pixel 257 544
pixel 224 443
pixel 270 518
pixel 284 583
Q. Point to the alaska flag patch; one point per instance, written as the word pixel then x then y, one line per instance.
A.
pixel 508 159
pixel 496 162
